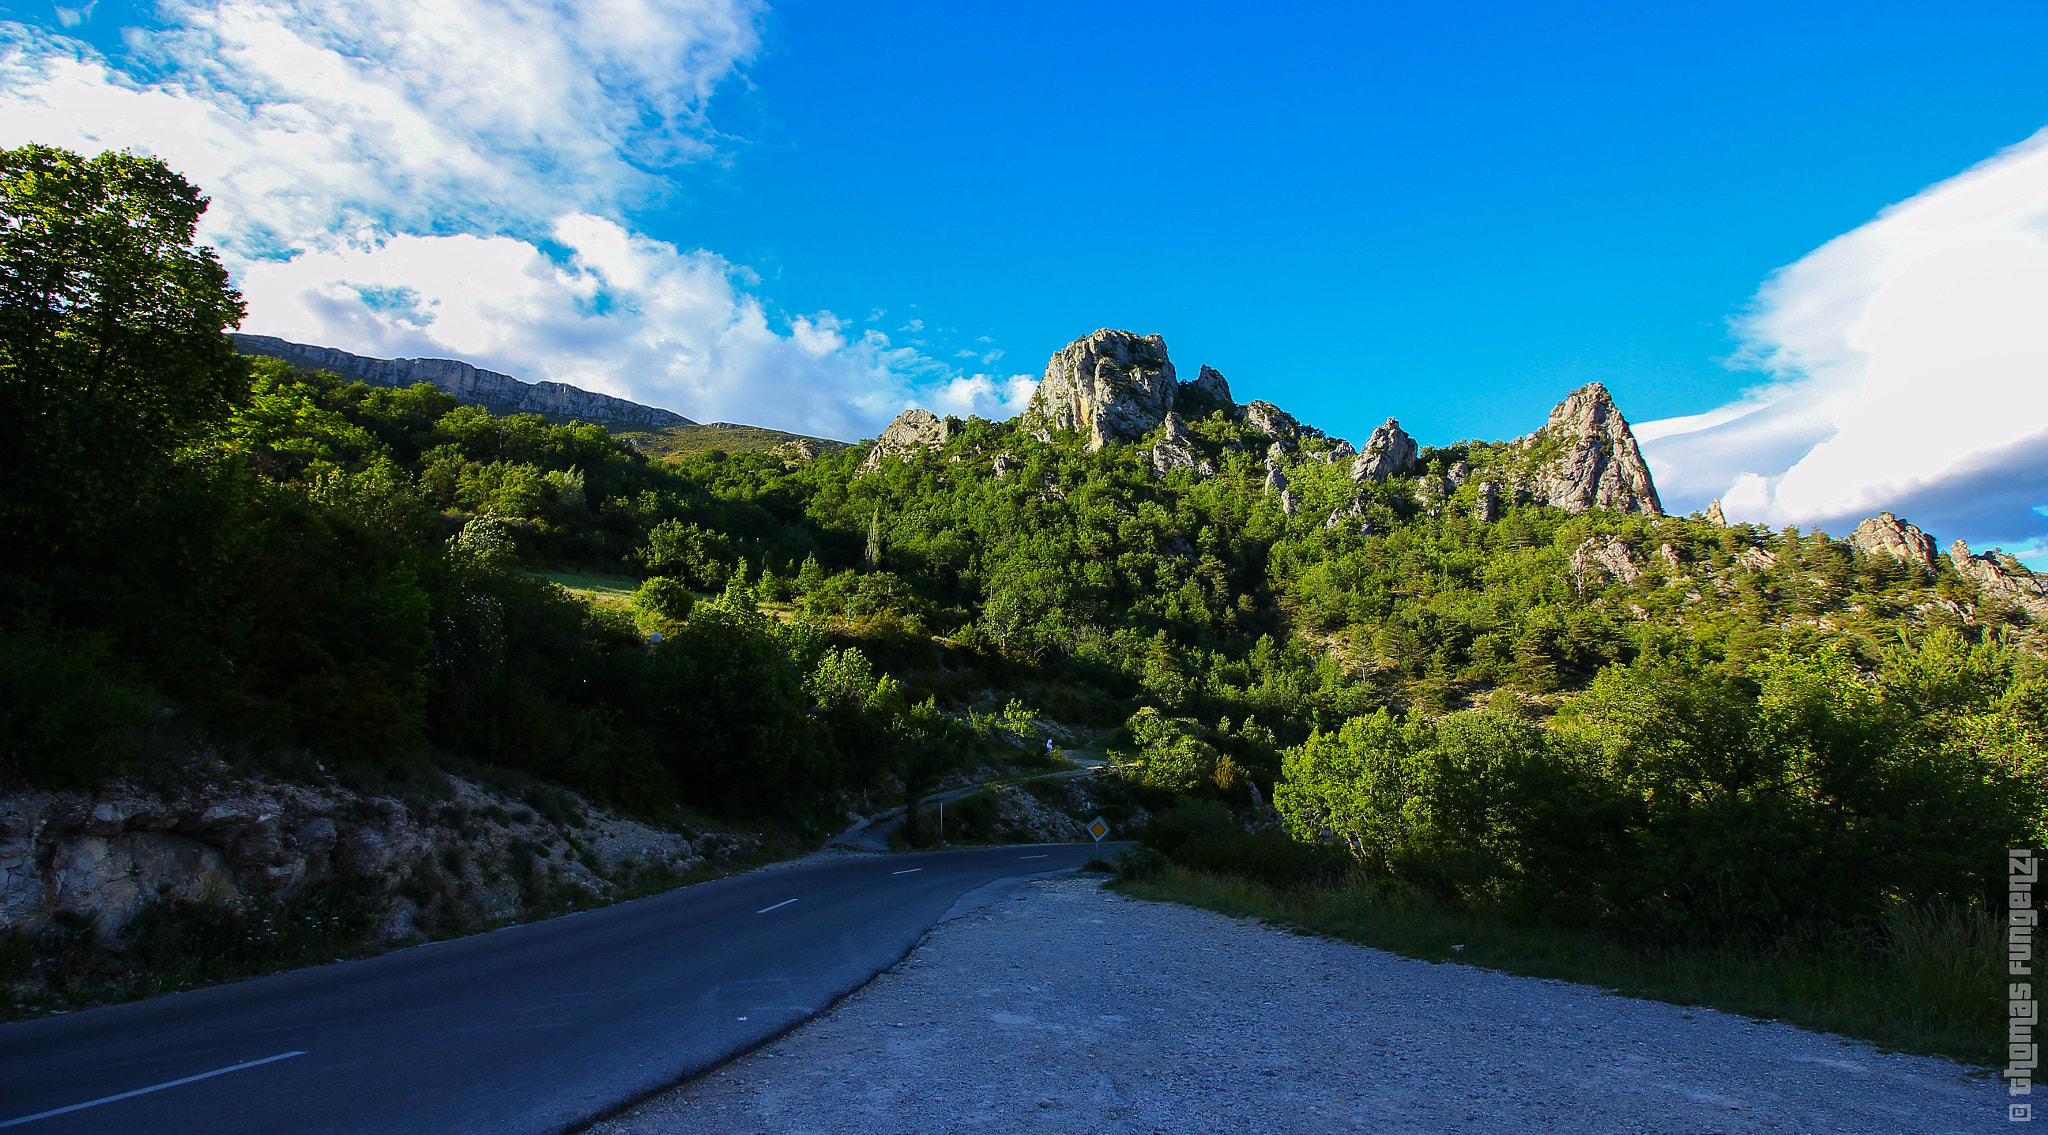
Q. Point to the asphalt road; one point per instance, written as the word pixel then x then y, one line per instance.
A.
pixel 534 1028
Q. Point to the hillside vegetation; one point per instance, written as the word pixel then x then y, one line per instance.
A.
pixel 1649 727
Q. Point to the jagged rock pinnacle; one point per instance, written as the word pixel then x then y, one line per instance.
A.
pixel 1596 462
pixel 2002 578
pixel 1390 452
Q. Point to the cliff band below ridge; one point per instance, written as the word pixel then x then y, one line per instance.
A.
pixel 500 393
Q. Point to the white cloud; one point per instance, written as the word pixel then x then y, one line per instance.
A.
pixel 1909 361
pixel 449 179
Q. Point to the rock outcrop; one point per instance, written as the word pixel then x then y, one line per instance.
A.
pixel 1175 449
pixel 1486 502
pixel 1605 555
pixel 1272 421
pixel 1210 384
pixel 2003 578
pixel 1276 478
pixel 1111 386
pixel 1885 534
pixel 1587 457
pixel 913 432
pixel 107 854
pixel 500 393
pixel 1757 559
pixel 1351 514
pixel 1389 452
pixel 1715 516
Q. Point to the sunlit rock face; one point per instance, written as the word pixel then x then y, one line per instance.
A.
pixel 913 432
pixel 1888 535
pixel 1587 457
pixel 1390 452
pixel 1176 450
pixel 2003 579
pixel 1210 383
pixel 1110 386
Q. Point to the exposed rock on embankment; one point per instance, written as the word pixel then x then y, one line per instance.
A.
pixel 472 857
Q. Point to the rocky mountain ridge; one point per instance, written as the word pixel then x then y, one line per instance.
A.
pixel 1118 387
pixel 499 393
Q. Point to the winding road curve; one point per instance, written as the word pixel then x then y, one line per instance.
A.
pixel 534 1028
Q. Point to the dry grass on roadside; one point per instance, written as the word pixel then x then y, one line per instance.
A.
pixel 1923 982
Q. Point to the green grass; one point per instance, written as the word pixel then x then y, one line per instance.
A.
pixel 619 587
pixel 1923 982
pixel 685 442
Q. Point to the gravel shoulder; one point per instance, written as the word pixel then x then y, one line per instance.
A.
pixel 1068 1008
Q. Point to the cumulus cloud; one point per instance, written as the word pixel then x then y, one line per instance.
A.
pixel 1908 367
pixel 453 179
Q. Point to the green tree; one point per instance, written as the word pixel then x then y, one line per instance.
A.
pixel 112 352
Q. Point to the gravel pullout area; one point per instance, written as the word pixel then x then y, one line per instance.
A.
pixel 1071 1009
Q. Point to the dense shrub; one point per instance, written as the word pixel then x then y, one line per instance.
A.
pixel 1208 836
pixel 1668 798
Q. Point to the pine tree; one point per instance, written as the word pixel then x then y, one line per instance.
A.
pixel 874 553
pixel 810 575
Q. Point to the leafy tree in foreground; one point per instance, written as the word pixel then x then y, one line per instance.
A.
pixel 111 346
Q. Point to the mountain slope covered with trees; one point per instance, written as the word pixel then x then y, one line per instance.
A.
pixel 1492 671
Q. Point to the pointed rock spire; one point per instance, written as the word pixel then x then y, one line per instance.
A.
pixel 1389 452
pixel 1210 383
pixel 913 432
pixel 1588 458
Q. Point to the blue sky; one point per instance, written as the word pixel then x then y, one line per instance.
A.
pixel 1450 212
pixel 810 215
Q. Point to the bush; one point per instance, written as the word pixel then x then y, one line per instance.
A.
pixel 664 597
pixel 1682 802
pixel 1207 836
pixel 1138 862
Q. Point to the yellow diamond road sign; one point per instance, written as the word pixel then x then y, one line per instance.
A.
pixel 1098 829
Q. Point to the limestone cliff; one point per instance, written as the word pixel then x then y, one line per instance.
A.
pixel 1272 421
pixel 1176 449
pixel 1111 386
pixel 500 393
pixel 1210 384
